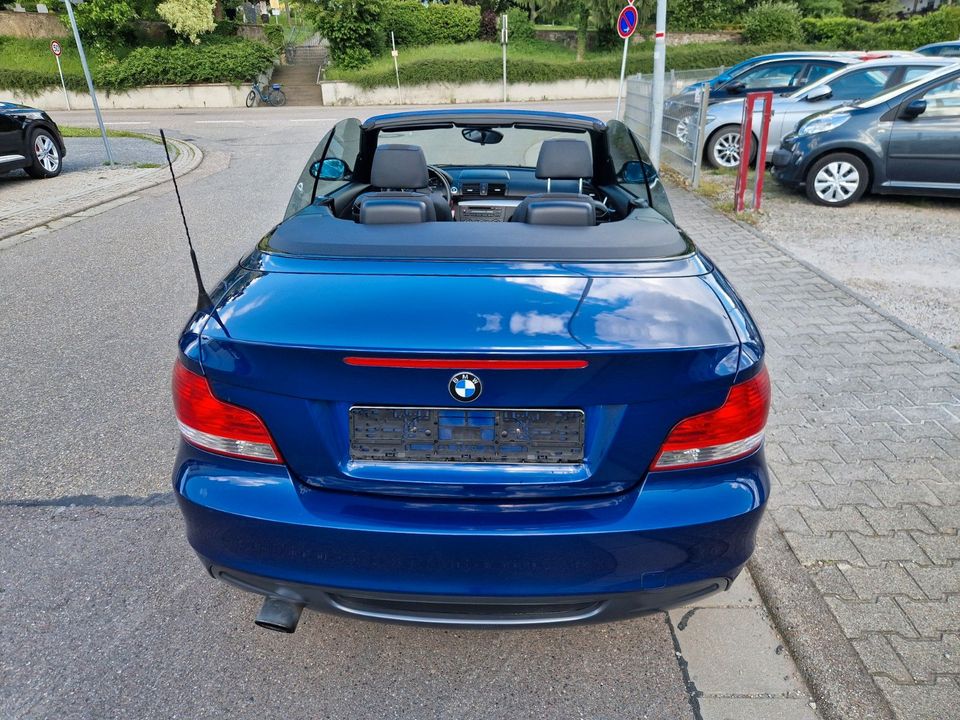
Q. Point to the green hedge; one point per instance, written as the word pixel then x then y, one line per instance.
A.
pixel 435 24
pixel 421 72
pixel 852 34
pixel 227 61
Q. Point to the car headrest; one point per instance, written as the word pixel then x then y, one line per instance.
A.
pixel 396 209
pixel 572 213
pixel 399 167
pixel 564 159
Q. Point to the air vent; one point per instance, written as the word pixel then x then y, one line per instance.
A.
pixel 474 188
pixel 497 189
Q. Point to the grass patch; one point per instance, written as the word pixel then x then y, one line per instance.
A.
pixel 69 131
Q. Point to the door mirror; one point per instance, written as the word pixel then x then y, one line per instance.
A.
pixel 637 171
pixel 913 109
pixel 735 88
pixel 329 169
pixel 819 93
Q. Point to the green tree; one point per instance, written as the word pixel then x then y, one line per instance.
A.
pixel 351 27
pixel 188 18
pixel 104 23
pixel 602 12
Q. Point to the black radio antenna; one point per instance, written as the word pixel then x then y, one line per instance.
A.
pixel 204 303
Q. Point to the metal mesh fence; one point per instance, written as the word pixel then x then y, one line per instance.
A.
pixel 684 116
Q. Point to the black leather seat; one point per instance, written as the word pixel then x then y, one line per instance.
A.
pixel 561 159
pixel 400 171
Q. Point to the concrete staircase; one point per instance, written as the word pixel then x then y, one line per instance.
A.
pixel 299 75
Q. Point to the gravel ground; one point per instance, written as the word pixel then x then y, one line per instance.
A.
pixel 902 253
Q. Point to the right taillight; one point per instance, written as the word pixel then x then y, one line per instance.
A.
pixel 733 430
pixel 217 426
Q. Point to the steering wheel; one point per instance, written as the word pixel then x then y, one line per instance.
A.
pixel 439 183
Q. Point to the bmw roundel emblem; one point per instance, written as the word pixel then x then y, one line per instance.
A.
pixel 465 387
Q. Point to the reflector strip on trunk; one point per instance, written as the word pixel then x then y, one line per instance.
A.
pixel 464 364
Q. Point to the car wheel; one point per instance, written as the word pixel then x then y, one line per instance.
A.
pixel 45 154
pixel 683 129
pixel 837 180
pixel 723 148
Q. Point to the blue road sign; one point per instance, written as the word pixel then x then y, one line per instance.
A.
pixel 627 22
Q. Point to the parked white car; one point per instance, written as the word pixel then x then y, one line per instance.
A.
pixel 855 82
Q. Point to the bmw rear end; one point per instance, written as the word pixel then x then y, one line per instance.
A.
pixel 506 442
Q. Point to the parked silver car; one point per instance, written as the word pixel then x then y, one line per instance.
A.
pixel 852 83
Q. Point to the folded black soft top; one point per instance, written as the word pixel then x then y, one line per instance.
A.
pixel 642 235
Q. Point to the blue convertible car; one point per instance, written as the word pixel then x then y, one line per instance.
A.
pixel 477 376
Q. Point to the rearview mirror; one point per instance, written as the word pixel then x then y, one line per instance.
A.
pixel 913 109
pixel 736 87
pixel 484 136
pixel 329 169
pixel 821 92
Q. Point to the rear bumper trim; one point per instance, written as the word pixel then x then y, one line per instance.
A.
pixel 473 612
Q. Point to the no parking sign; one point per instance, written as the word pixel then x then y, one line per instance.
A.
pixel 626 25
pixel 627 21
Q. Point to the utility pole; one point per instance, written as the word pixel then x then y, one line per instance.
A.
pixel 659 65
pixel 86 72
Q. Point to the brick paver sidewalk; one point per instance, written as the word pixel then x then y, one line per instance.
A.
pixel 864 446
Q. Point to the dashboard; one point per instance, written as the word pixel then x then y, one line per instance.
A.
pixel 490 194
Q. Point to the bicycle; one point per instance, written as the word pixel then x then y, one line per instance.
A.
pixel 274 96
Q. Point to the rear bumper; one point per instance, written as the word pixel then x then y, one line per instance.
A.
pixel 684 534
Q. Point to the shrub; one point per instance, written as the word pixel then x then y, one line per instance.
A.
pixel 821 8
pixel 832 31
pixel 851 34
pixel 519 25
pixel 236 61
pixel 188 18
pixel 489 23
pixel 414 24
pixel 773 22
pixel 422 72
pixel 703 14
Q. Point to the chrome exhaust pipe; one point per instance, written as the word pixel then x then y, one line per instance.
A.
pixel 279 615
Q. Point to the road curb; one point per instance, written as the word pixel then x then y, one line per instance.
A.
pixel 831 666
pixel 189 157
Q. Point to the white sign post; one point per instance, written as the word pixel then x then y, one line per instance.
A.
pixel 626 25
pixel 86 72
pixel 56 50
pixel 396 66
pixel 659 63
pixel 504 39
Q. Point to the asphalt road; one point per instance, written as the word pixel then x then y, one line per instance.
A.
pixel 104 611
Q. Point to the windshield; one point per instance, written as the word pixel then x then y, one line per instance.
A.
pixel 518 147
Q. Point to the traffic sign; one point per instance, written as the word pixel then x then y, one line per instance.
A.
pixel 55 48
pixel 627 21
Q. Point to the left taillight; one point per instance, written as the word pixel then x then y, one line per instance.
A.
pixel 217 426
pixel 733 430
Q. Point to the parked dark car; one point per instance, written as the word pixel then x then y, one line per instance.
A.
pixel 903 141
pixel 941 49
pixel 31 140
